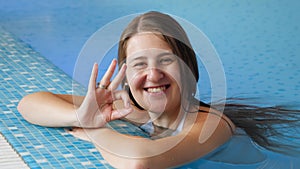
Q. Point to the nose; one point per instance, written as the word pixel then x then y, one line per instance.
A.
pixel 154 74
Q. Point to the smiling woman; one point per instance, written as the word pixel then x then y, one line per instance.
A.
pixel 153 75
pixel 159 77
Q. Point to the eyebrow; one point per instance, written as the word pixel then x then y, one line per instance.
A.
pixel 165 53
pixel 138 58
pixel 142 57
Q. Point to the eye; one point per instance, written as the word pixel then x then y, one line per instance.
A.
pixel 166 60
pixel 139 65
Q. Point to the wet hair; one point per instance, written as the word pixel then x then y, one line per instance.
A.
pixel 263 124
pixel 275 128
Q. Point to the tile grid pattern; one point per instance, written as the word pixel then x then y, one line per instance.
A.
pixel 8 157
pixel 24 71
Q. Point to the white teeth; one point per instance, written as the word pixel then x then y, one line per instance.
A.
pixel 156 90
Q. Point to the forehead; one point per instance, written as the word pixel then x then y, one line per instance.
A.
pixel 144 42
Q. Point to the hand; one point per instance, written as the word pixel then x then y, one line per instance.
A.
pixel 97 107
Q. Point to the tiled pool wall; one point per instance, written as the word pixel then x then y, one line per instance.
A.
pixel 24 71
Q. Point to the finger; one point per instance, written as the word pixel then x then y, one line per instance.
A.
pixel 109 73
pixel 122 95
pixel 93 77
pixel 119 113
pixel 118 79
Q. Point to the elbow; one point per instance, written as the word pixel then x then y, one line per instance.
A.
pixel 22 107
pixel 27 105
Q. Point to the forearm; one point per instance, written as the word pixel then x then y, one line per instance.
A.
pixel 122 150
pixel 116 143
pixel 48 109
pixel 72 99
pixel 119 150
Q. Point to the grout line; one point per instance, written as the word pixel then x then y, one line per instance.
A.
pixel 9 158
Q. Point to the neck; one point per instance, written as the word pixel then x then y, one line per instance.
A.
pixel 168 119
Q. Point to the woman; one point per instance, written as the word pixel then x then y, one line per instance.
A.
pixel 157 60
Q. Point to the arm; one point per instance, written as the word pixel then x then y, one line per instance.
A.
pixel 123 151
pixel 91 111
pixel 48 109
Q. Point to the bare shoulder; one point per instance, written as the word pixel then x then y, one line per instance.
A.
pixel 210 118
pixel 218 116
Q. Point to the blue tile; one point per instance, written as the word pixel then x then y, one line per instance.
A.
pixel 39 147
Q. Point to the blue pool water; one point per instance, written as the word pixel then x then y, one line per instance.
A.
pixel 258 44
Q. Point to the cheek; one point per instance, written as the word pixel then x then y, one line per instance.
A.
pixel 135 82
pixel 175 75
pixel 134 79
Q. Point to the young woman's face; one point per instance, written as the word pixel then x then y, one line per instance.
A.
pixel 153 73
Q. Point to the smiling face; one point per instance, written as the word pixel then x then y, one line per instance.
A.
pixel 153 73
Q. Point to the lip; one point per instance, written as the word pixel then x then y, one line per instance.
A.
pixel 158 87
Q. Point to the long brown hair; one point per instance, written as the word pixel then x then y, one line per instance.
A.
pixel 262 124
pixel 275 128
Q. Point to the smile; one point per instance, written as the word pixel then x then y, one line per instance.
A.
pixel 157 89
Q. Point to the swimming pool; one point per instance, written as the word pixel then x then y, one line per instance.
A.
pixel 257 42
